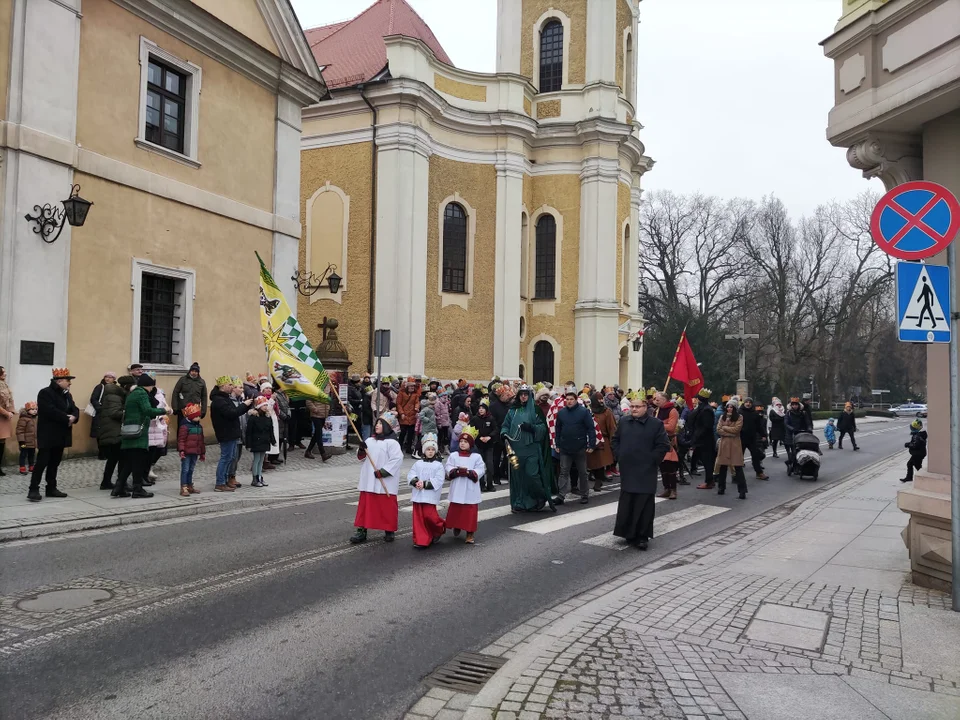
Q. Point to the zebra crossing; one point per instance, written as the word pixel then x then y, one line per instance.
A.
pixel 576 517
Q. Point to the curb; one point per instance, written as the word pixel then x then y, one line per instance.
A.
pixel 63 527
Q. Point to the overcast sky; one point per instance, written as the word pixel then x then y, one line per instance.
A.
pixel 733 94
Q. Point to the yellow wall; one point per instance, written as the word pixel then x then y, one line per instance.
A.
pixel 347 167
pixel 6 18
pixel 460 342
pixel 563 193
pixel 237 116
pixel 245 17
pixel 127 222
pixel 576 10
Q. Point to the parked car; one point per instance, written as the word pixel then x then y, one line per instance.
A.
pixel 909 410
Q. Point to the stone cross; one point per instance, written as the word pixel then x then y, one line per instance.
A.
pixel 741 339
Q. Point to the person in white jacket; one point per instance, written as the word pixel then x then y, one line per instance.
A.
pixel 464 470
pixel 426 478
pixel 379 484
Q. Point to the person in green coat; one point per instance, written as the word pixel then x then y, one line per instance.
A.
pixel 525 431
pixel 112 401
pixel 137 411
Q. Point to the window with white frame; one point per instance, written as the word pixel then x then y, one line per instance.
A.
pixel 169 104
pixel 162 316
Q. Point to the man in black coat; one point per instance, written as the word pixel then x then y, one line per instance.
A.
pixel 703 440
pixel 226 426
pixel 56 416
pixel 752 435
pixel 639 445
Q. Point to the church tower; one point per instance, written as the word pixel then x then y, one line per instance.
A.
pixel 579 57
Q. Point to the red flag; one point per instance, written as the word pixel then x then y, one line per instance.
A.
pixel 685 368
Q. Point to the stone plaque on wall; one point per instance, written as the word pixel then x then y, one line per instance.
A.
pixel 36 352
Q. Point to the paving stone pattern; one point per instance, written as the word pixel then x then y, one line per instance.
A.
pixel 659 636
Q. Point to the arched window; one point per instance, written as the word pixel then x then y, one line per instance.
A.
pixel 524 258
pixel 543 362
pixel 627 262
pixel 545 285
pixel 551 56
pixel 454 249
pixel 629 69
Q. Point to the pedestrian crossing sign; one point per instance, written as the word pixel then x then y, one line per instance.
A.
pixel 923 302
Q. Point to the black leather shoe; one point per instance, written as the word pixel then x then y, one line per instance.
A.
pixel 558 500
pixel 743 496
pixel 642 545
pixel 387 536
pixel 106 485
pixel 141 494
pixel 34 496
pixel 584 500
pixel 55 493
pixel 121 493
pixel 359 536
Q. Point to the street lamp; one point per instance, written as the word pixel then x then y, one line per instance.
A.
pixel 308 284
pixel 50 218
pixel 638 341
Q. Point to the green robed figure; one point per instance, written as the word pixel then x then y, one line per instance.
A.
pixel 525 429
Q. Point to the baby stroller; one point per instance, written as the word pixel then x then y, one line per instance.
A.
pixel 806 456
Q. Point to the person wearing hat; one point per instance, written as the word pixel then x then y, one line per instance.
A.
pixel 426 478
pixel 191 447
pixel 408 407
pixel 57 413
pixel 847 425
pixel 381 458
pixel 110 417
pixel 488 432
pixel 96 399
pixel 191 388
pixel 138 411
pixel 753 436
pixel 135 370
pixel 465 469
pixel 700 424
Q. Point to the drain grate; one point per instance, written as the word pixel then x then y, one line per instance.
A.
pixel 466 673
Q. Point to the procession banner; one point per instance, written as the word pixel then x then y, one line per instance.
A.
pixel 685 368
pixel 292 361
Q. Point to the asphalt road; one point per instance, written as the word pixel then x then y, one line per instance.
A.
pixel 271 614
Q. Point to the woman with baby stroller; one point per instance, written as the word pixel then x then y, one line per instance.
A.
pixel 795 422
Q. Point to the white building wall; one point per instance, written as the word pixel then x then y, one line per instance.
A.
pixel 34 276
pixel 507 307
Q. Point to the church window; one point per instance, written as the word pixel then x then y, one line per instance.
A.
pixel 543 362
pixel 169 104
pixel 524 258
pixel 545 284
pixel 551 57
pixel 630 69
pixel 454 249
pixel 626 264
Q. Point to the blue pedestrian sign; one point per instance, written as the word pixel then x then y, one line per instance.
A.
pixel 923 302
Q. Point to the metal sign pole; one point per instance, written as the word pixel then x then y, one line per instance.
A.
pixel 954 422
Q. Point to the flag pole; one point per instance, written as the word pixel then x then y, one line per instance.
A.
pixel 676 352
pixel 346 412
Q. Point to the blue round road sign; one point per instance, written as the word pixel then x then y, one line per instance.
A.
pixel 915 220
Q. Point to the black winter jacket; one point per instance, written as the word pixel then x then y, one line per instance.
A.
pixel 847 422
pixel 54 407
pixel 110 414
pixel 226 416
pixel 752 430
pixel 486 427
pixel 260 437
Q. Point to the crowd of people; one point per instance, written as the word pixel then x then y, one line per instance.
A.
pixel 550 444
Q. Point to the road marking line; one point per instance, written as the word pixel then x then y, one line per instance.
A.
pixel 570 519
pixel 661 526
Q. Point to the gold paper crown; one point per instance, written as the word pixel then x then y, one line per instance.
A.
pixel 471 431
pixel 224 380
pixel 651 391
pixel 635 395
pixel 485 402
pixel 794 400
pixel 191 409
pixel 61 373
pixel 705 393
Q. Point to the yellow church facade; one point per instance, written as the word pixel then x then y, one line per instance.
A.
pixel 487 220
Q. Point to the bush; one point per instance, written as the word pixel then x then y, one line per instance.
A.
pixel 835 414
pixel 879 413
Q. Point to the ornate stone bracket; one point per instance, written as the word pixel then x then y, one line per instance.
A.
pixel 892 158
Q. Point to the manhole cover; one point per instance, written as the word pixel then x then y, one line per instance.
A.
pixel 466 673
pixel 60 600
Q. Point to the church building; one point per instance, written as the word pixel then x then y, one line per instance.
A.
pixel 487 220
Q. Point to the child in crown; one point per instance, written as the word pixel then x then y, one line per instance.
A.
pixel 426 478
pixel 464 470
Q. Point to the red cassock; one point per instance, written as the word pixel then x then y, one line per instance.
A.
pixel 377 512
pixel 462 517
pixel 427 524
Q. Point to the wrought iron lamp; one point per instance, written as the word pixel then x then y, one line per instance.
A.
pixel 308 283
pixel 638 341
pixel 51 218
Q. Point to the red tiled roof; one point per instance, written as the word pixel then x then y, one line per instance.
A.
pixel 352 52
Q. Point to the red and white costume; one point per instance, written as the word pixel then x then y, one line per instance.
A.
pixel 427 524
pixel 378 510
pixel 464 471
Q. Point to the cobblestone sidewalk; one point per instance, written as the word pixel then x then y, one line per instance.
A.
pixel 734 628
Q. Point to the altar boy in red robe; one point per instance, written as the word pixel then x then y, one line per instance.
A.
pixel 381 458
pixel 464 470
pixel 426 478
